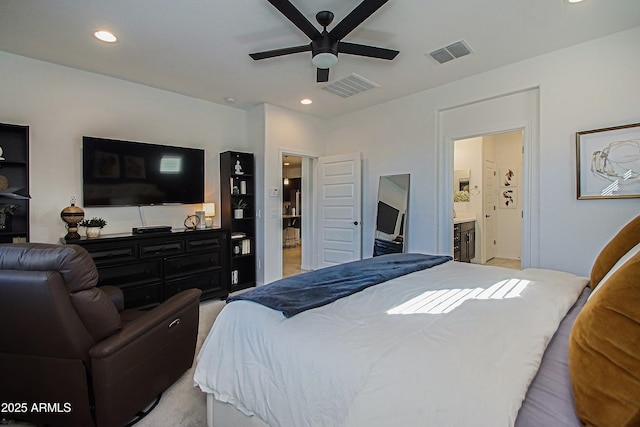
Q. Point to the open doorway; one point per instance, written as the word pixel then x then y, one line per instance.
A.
pixel 487 196
pixel 292 215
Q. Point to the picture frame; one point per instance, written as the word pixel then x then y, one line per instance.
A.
pixel 508 198
pixel 508 177
pixel 608 162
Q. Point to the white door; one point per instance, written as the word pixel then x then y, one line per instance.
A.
pixel 489 210
pixel 339 209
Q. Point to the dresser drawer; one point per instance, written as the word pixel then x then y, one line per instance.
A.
pixel 152 250
pixel 185 264
pixel 113 254
pixel 210 283
pixel 142 296
pixel 135 272
pixel 208 244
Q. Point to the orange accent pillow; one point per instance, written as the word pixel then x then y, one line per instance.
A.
pixel 604 351
pixel 627 238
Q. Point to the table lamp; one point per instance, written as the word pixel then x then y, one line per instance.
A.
pixel 209 212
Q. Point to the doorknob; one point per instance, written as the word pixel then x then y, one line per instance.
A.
pixel 487 216
pixel 355 222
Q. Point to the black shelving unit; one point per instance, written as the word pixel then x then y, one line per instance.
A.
pixel 14 181
pixel 237 185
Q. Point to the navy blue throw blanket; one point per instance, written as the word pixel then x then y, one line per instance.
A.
pixel 305 291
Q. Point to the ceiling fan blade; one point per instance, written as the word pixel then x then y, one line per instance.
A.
pixel 322 75
pixel 355 18
pixel 292 14
pixel 280 52
pixel 364 50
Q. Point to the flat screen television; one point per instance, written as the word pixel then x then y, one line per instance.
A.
pixel 387 218
pixel 125 173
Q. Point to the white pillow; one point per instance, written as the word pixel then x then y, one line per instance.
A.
pixel 623 259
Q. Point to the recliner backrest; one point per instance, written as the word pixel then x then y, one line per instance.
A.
pixel 56 285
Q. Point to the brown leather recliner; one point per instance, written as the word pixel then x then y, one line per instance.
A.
pixel 69 354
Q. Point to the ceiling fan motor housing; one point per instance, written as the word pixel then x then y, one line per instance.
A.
pixel 325 45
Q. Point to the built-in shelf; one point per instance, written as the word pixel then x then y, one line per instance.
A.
pixel 14 182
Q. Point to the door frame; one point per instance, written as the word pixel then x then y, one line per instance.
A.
pixel 517 110
pixel 309 161
pixel 529 257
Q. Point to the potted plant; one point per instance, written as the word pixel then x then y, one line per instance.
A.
pixel 93 226
pixel 5 215
pixel 238 208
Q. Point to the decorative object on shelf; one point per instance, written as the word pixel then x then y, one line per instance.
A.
pixel 4 182
pixel 234 277
pixel 238 168
pixel 209 212
pixel 609 162
pixel 243 187
pixel 72 215
pixel 1 158
pixel 238 208
pixel 202 221
pixel 93 226
pixel 5 216
pixel 191 222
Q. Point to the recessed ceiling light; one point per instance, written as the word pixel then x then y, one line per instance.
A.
pixel 306 101
pixel 105 36
pixel 230 100
pixel 572 1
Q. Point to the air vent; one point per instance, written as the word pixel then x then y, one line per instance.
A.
pixel 453 51
pixel 350 85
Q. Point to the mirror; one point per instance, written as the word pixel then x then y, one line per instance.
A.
pixel 393 200
pixel 461 185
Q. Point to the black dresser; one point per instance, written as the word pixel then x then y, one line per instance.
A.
pixel 150 268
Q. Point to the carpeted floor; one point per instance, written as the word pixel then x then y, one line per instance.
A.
pixel 184 405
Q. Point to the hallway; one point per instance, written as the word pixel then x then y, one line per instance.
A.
pixel 291 259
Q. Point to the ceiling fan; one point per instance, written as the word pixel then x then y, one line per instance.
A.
pixel 326 45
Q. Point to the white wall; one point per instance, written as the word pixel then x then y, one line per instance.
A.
pixel 293 133
pixel 61 104
pixel 588 86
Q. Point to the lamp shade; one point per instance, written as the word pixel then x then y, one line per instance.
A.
pixel 209 209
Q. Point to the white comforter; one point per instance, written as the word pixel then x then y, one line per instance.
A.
pixel 454 345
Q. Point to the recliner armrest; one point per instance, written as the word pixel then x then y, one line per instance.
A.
pixel 115 294
pixel 164 313
pixel 131 367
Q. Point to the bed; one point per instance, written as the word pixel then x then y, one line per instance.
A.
pixel 449 344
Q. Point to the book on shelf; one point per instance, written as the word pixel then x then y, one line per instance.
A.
pixel 242 247
pixel 246 246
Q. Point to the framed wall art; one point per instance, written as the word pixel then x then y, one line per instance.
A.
pixel 508 177
pixel 608 162
pixel 508 198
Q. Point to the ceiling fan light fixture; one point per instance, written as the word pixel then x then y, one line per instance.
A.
pixel 324 60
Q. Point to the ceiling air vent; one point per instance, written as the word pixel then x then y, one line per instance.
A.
pixel 453 51
pixel 350 85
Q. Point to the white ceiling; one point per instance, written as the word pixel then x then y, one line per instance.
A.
pixel 200 47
